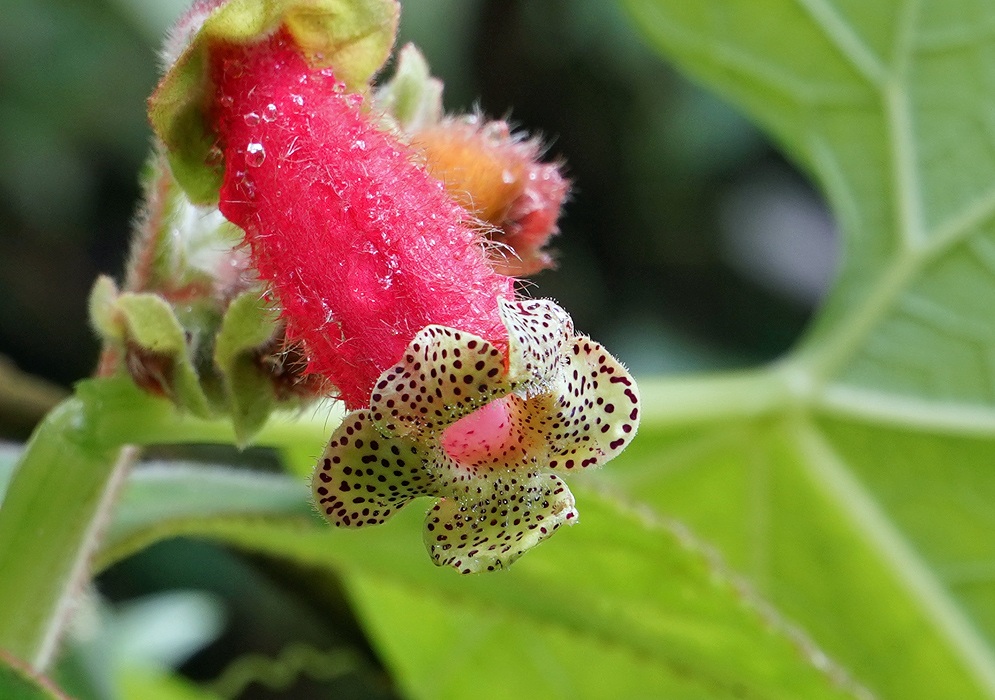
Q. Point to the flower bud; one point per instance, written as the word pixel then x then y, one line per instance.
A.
pixel 362 247
pixel 494 174
pixel 498 178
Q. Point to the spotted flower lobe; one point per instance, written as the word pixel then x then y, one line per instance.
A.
pixel 483 431
pixel 444 376
pixel 364 476
pixel 500 520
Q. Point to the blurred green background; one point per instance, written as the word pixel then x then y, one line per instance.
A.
pixel 688 244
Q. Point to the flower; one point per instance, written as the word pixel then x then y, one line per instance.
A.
pixel 488 434
pixel 384 276
pixel 362 246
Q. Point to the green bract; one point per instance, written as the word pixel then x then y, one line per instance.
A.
pixel 353 37
pixel 412 97
pixel 192 322
pixel 247 326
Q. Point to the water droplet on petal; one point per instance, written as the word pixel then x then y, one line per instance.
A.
pixel 269 112
pixel 339 87
pixel 227 100
pixel 298 100
pixel 255 154
pixel 507 177
pixel 251 118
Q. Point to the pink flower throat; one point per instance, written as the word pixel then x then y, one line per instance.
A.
pixel 485 436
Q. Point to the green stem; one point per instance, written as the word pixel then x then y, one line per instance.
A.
pixel 680 401
pixel 48 528
pixel 126 415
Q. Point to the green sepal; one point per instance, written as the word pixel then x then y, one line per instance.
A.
pixel 153 326
pixel 176 111
pixel 102 304
pixel 352 37
pixel 248 324
pixel 412 97
pixel 151 323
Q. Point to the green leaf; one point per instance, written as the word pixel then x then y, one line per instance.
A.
pixel 140 684
pixel 159 498
pixel 48 528
pixel 852 481
pixel 8 460
pixel 17 683
pixel 619 606
pixel 620 601
pixel 248 324
pixel 57 504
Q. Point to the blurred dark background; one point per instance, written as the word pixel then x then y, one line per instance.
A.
pixel 689 242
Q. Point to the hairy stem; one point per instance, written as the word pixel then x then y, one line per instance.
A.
pixel 49 526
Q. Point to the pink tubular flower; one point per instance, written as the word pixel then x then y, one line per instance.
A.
pixel 458 389
pixel 362 246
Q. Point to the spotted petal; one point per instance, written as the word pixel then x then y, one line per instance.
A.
pixel 495 521
pixel 479 428
pixel 538 333
pixel 445 375
pixel 591 413
pixel 364 476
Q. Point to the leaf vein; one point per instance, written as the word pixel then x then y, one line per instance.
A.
pixel 907 412
pixel 851 47
pixel 956 229
pixel 921 583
